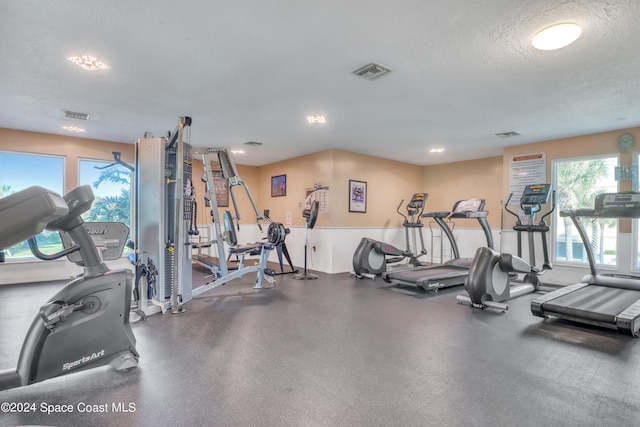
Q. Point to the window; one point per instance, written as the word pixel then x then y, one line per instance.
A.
pixel 19 171
pixel 577 182
pixel 111 185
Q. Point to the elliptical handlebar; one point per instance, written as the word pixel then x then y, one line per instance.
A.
pixel 398 210
pixel 533 208
pixel 506 208
pixel 420 212
pixel 553 207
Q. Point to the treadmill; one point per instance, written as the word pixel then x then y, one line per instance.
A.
pixel 455 271
pixel 607 300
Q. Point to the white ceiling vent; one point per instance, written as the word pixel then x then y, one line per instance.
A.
pixel 507 134
pixel 371 71
pixel 253 143
pixel 75 115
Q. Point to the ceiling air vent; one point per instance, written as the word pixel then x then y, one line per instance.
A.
pixel 507 134
pixel 253 143
pixel 371 71
pixel 75 115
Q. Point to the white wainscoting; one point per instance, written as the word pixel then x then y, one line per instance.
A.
pixel 330 250
pixel 564 273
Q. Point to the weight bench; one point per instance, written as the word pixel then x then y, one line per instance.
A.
pixel 231 238
pixel 260 248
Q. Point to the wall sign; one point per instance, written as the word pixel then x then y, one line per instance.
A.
pixel 525 169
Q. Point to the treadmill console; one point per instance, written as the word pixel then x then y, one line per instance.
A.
pixel 617 201
pixel 466 206
pixel 536 194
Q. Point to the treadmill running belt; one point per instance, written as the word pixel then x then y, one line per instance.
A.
pixel 593 302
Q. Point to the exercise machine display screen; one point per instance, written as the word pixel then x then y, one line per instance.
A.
pixel 417 201
pixel 617 200
pixel 536 194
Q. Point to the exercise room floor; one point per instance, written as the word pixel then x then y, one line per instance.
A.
pixel 340 352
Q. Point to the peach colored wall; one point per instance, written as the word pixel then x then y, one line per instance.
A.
pixel 450 182
pixel 388 182
pixel 302 172
pixel 579 146
pixel 70 147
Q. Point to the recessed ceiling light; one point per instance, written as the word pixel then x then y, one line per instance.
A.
pixel 316 120
pixel 557 36
pixel 73 129
pixel 436 150
pixel 236 151
pixel 88 62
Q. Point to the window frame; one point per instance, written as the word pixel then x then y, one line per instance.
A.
pixel 556 217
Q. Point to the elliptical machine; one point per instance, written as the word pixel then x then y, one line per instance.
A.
pixel 84 325
pixel 493 277
pixel 372 256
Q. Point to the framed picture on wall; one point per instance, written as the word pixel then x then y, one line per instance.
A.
pixel 357 196
pixel 221 187
pixel 278 185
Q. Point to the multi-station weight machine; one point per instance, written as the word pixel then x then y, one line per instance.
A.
pixel 165 217
pixel 220 270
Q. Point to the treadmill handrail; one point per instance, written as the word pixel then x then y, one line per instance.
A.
pixel 613 212
pixel 586 244
pixel 441 216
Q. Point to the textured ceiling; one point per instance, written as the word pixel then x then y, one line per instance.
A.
pixel 253 70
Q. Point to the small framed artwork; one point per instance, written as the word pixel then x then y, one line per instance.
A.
pixel 357 196
pixel 221 188
pixel 278 185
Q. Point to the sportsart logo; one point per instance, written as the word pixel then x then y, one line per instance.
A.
pixel 69 365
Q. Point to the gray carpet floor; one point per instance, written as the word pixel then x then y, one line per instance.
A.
pixel 338 351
